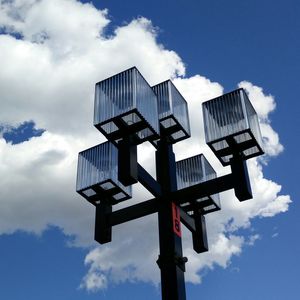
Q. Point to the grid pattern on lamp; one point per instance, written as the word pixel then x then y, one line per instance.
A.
pixel 97 174
pixel 126 105
pixel 172 112
pixel 194 170
pixel 232 127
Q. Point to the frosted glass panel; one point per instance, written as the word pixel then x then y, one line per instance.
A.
pixel 97 171
pixel 172 112
pixel 253 120
pixel 180 108
pixel 231 122
pixel 114 96
pixel 189 171
pixel 194 170
pixel 146 102
pixel 125 103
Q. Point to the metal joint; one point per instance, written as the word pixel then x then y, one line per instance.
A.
pixel 179 261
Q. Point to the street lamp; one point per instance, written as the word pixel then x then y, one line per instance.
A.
pixel 232 127
pixel 129 112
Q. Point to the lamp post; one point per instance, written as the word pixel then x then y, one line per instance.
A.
pixel 129 112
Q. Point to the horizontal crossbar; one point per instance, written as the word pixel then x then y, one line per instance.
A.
pixel 191 193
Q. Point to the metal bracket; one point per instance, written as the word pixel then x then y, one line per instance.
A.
pixel 127 162
pixel 200 243
pixel 242 186
pixel 180 261
pixel 103 229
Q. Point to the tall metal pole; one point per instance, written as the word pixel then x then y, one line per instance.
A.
pixel 170 261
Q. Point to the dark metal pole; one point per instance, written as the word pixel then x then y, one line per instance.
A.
pixel 103 230
pixel 127 161
pixel 170 261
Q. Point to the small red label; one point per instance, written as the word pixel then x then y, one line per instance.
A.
pixel 176 219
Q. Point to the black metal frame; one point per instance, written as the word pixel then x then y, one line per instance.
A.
pixel 234 147
pixel 174 206
pixel 167 132
pixel 127 130
pixel 166 202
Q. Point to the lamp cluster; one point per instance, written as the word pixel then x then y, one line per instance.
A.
pixel 126 106
pixel 128 112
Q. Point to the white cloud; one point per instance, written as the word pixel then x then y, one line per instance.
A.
pixel 49 76
pixel 253 238
pixel 93 281
pixel 51 23
pixel 56 78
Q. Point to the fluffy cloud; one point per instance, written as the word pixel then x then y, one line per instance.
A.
pixel 53 52
pixel 55 77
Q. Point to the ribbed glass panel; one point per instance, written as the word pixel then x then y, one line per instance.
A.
pixel 220 145
pixel 179 135
pixel 164 102
pixel 114 96
pixel 194 170
pixel 172 106
pixel 146 101
pixel 126 96
pixel 224 116
pixel 243 137
pixel 210 207
pixel 189 171
pixel 180 108
pixel 232 118
pixel 252 119
pixel 132 118
pixel 99 166
pixel 109 127
pixel 167 123
pixel 210 173
pixel 251 151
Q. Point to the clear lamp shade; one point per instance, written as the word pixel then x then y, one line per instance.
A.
pixel 97 174
pixel 232 127
pixel 194 170
pixel 125 104
pixel 172 112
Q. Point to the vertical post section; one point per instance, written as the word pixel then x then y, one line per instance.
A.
pixel 200 243
pixel 170 261
pixel 242 186
pixel 166 167
pixel 103 230
pixel 127 162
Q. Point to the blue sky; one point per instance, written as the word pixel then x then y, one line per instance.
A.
pixel 46 87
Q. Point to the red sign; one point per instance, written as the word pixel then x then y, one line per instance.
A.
pixel 176 219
